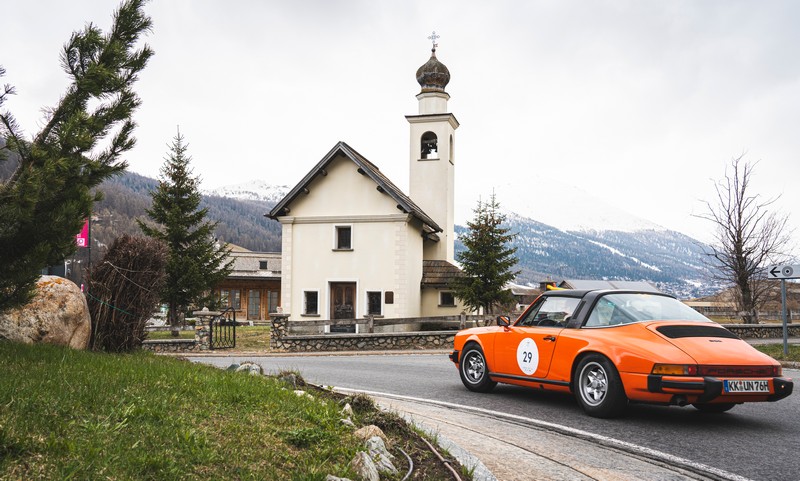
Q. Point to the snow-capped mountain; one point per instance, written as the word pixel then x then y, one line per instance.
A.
pixel 251 190
pixel 574 235
pixel 559 205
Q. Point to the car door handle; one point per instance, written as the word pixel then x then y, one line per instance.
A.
pixel 549 338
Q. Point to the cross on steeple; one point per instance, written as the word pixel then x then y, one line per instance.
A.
pixel 433 37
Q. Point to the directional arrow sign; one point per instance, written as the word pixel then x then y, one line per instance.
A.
pixel 783 272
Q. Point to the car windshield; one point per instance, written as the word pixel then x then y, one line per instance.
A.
pixel 616 309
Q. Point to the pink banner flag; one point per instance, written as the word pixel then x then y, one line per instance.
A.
pixel 83 238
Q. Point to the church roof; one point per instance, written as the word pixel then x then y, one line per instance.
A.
pixel 365 167
pixel 438 273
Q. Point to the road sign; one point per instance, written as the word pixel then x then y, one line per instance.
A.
pixel 783 272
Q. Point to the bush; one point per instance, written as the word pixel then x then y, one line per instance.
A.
pixel 124 291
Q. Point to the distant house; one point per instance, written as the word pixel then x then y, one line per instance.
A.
pixel 354 244
pixel 603 284
pixel 253 288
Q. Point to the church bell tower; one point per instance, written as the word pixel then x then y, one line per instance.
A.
pixel 432 154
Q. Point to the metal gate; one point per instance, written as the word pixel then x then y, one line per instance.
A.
pixel 222 330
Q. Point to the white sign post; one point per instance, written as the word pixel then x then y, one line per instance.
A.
pixel 784 272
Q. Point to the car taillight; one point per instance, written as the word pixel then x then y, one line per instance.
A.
pixel 740 371
pixel 675 369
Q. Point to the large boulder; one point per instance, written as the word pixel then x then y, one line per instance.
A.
pixel 58 314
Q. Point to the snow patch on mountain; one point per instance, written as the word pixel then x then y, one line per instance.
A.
pixel 251 190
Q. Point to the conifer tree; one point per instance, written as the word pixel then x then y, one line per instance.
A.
pixel 196 262
pixel 487 262
pixel 48 197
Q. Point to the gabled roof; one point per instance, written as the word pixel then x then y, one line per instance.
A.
pixel 438 273
pixel 365 167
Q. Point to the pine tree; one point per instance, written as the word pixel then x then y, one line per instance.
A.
pixel 487 262
pixel 196 263
pixel 48 197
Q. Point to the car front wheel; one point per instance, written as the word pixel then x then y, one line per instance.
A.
pixel 598 387
pixel 474 371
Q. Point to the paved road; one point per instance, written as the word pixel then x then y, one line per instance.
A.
pixel 758 441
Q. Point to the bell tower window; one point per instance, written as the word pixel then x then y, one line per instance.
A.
pixel 429 146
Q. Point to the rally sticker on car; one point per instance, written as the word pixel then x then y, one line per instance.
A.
pixel 746 385
pixel 528 356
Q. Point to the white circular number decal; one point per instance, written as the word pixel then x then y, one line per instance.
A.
pixel 528 356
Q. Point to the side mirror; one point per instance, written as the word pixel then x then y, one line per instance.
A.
pixel 503 321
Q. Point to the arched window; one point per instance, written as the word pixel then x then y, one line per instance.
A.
pixel 429 146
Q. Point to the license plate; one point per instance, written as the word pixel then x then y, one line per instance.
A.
pixel 746 385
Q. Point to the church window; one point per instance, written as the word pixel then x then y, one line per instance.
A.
pixel 429 148
pixel 447 299
pixel 310 303
pixel 344 237
pixel 374 307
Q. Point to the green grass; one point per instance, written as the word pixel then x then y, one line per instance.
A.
pixel 776 351
pixel 158 335
pixel 248 338
pixel 252 338
pixel 67 414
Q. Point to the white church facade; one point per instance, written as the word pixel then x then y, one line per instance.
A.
pixel 353 244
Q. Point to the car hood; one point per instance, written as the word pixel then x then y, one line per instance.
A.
pixel 709 343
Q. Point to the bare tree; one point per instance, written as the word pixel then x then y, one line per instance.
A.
pixel 749 237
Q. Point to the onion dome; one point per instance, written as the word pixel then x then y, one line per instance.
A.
pixel 433 76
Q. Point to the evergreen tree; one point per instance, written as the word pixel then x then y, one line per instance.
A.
pixel 48 197
pixel 196 263
pixel 487 261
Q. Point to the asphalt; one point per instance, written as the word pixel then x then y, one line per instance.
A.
pixel 495 446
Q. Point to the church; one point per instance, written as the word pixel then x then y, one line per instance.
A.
pixel 354 244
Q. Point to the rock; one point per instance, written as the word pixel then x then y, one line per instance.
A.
pixel 58 314
pixel 369 431
pixel 348 422
pixel 301 393
pixel 250 367
pixel 331 477
pixel 380 455
pixel 365 467
pixel 347 410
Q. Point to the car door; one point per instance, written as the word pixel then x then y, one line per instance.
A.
pixel 526 348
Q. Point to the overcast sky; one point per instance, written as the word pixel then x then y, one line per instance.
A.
pixel 641 104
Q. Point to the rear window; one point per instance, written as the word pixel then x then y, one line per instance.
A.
pixel 617 309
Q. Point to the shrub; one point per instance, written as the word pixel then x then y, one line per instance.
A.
pixel 124 291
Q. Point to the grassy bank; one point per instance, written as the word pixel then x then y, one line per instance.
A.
pixel 776 351
pixel 67 414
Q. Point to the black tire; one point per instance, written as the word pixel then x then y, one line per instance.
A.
pixel 474 371
pixel 714 408
pixel 598 387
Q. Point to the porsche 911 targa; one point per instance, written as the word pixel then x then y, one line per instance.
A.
pixel 612 347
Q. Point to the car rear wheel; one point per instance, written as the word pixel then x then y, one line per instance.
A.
pixel 714 408
pixel 474 371
pixel 598 387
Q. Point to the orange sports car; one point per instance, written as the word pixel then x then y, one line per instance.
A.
pixel 612 347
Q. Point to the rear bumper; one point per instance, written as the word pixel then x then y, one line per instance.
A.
pixel 709 388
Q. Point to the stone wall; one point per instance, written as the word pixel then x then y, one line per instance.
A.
pixel 171 345
pixel 762 331
pixel 280 341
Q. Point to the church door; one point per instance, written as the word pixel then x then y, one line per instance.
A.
pixel 343 304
